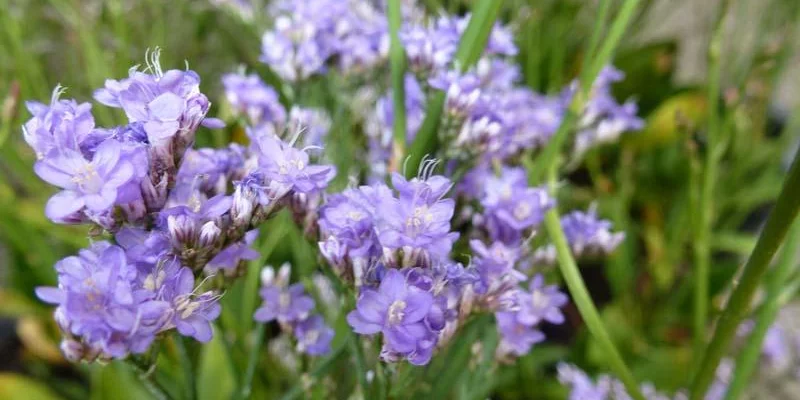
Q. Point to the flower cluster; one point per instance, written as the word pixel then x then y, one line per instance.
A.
pixel 606 387
pixel 291 308
pixel 305 38
pixel 167 207
pixel 109 305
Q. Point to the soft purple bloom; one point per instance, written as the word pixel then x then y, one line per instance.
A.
pixel 427 49
pixel 426 189
pixel 251 97
pixel 395 310
pixel 517 338
pixel 101 304
pixel 284 304
pixel 64 124
pixel 463 92
pixel 289 168
pixel 313 336
pixel 541 303
pixel 95 184
pixel 313 125
pixel 165 102
pixel 230 257
pixel 192 313
pixel 415 224
pixel 588 234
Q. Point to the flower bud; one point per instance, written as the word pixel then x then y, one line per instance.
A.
pixel 209 234
pixel 182 231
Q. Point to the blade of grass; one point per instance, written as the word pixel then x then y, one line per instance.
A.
pixel 748 358
pixel 580 295
pixel 397 61
pixel 702 248
pixel 744 287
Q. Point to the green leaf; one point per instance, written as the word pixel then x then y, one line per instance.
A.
pixel 215 379
pixel 19 387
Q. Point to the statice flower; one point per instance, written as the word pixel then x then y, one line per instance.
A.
pixel 64 124
pixel 398 312
pixel 95 184
pixel 516 338
pixel 510 206
pixel 588 234
pixel 290 306
pixel 603 119
pixel 380 125
pixel 428 49
pixel 109 307
pixel 288 169
pixel 250 97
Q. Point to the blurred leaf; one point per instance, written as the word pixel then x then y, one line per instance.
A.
pixel 31 331
pixel 215 379
pixel 116 381
pixel 662 124
pixel 19 387
pixel 648 74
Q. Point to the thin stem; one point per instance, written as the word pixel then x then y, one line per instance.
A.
pixel 702 252
pixel 748 358
pixel 618 28
pixel 252 361
pixel 778 223
pixel 580 295
pixel 397 60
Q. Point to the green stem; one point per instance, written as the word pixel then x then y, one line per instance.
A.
pixel 252 361
pixel 748 358
pixel 778 223
pixel 580 295
pixel 702 252
pixel 618 28
pixel 397 60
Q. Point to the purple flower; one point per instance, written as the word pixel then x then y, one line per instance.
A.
pixel 94 184
pixel 289 169
pixel 313 336
pixel 542 303
pixel 164 101
pixel 495 261
pixel 251 97
pixel 395 310
pixel 463 92
pixel 516 338
pixel 415 224
pixel 510 206
pixel 313 124
pixel 426 189
pixel 192 314
pixel 588 234
pixel 101 305
pixel 284 304
pixel 230 257
pixel 427 49
pixel 64 124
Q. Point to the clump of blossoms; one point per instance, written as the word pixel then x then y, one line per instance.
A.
pixel 180 221
pixel 292 308
pixel 395 243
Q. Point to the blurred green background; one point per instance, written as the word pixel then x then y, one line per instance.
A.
pixel 647 184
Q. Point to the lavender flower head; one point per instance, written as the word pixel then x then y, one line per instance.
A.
pixel 587 234
pixel 251 97
pixel 396 310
